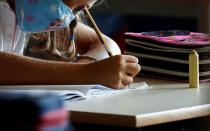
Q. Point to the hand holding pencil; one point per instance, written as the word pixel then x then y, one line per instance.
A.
pixel 100 36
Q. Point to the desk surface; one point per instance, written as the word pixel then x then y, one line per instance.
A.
pixel 166 101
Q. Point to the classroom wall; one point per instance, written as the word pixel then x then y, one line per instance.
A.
pixel 191 14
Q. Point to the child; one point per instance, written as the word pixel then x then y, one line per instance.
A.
pixel 93 67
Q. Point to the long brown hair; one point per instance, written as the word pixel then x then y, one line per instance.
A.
pixel 58 43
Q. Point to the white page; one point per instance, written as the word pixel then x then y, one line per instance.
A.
pixel 74 92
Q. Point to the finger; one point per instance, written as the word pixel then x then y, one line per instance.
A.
pixel 132 69
pixel 122 86
pixel 127 80
pixel 132 59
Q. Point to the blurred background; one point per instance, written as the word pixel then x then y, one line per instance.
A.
pixel 115 17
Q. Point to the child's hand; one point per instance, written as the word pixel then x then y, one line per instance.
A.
pixel 115 72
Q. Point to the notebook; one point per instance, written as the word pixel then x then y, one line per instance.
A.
pixel 76 92
pixel 165 54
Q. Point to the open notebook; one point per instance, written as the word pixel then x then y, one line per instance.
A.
pixel 74 92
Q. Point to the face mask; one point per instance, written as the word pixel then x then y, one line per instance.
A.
pixel 42 15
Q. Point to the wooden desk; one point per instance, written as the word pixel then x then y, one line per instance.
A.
pixel 167 101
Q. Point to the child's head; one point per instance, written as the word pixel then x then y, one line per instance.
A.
pixel 58 42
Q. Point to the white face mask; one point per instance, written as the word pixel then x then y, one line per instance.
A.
pixel 43 15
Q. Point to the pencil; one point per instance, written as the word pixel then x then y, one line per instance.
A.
pixel 193 69
pixel 98 32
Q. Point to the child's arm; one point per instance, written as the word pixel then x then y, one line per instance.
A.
pixel 88 43
pixel 112 72
pixel 16 69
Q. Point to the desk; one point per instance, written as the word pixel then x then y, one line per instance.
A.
pixel 167 101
